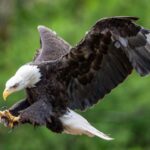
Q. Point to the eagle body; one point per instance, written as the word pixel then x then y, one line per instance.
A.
pixel 67 78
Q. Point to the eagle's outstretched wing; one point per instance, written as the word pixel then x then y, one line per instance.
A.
pixel 52 46
pixel 103 59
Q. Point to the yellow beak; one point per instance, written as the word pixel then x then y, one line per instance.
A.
pixel 6 94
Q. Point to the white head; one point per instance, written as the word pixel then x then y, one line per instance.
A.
pixel 26 77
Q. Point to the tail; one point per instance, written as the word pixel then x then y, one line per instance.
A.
pixel 77 125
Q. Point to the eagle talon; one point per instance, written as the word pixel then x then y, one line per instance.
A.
pixel 9 118
pixel 1 114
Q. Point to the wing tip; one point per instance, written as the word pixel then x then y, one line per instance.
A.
pixel 39 27
pixel 42 28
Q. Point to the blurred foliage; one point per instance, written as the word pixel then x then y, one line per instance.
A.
pixel 124 114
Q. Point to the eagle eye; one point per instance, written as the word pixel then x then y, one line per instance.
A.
pixel 15 86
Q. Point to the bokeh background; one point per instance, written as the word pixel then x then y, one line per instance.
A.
pixel 124 114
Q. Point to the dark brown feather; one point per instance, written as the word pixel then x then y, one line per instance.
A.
pixel 103 59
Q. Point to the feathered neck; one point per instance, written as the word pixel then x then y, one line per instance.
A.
pixel 30 74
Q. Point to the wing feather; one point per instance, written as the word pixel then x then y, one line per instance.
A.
pixel 52 46
pixel 103 59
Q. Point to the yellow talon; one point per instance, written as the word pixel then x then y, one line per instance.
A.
pixel 16 119
pixel 10 125
pixel 1 114
pixel 11 119
pixel 8 115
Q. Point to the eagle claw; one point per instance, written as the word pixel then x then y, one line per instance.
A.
pixel 8 119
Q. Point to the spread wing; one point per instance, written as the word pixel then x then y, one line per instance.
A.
pixel 52 46
pixel 103 59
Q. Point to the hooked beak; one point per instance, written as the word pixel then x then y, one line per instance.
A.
pixel 6 93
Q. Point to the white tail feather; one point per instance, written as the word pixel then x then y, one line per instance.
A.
pixel 77 125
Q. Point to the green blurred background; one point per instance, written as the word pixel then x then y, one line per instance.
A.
pixel 124 114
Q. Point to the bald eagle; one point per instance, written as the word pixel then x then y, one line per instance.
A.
pixel 62 78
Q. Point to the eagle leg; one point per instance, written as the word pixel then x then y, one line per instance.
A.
pixel 42 113
pixel 19 106
pixel 39 113
pixel 9 118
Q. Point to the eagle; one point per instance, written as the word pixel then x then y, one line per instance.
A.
pixel 62 78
